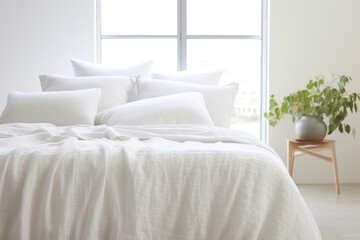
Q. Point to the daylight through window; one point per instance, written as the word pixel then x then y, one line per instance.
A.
pixel 193 35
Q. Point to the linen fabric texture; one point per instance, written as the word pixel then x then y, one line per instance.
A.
pixel 61 108
pixel 219 100
pixel 114 90
pixel 183 108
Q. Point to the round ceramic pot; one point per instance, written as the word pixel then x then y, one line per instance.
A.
pixel 310 129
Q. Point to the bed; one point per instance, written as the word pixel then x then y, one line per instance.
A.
pixel 123 153
pixel 145 182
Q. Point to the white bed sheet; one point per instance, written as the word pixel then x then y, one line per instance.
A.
pixel 155 182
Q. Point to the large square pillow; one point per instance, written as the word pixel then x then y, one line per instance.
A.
pixel 219 100
pixel 206 78
pixel 86 69
pixel 114 90
pixel 183 108
pixel 61 108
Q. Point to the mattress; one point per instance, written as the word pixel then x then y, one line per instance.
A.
pixel 145 182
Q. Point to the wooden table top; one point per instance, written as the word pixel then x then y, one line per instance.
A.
pixel 310 142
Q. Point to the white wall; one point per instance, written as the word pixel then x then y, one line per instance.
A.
pixel 38 37
pixel 309 38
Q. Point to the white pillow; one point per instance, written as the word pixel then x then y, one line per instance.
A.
pixel 219 100
pixel 183 108
pixel 86 69
pixel 114 90
pixel 60 108
pixel 206 78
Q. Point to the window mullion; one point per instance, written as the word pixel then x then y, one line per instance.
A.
pixel 138 36
pixel 251 37
pixel 182 35
pixel 264 70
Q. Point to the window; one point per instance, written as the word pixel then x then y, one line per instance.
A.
pixel 193 35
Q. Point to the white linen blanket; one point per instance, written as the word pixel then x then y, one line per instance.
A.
pixel 155 182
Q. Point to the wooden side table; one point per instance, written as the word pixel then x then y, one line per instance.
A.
pixel 296 148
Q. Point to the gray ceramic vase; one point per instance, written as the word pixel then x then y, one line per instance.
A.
pixel 310 129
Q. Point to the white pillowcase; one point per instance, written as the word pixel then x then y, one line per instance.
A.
pixel 206 78
pixel 183 108
pixel 86 69
pixel 60 108
pixel 219 100
pixel 114 90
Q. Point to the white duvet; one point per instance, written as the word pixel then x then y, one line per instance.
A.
pixel 159 182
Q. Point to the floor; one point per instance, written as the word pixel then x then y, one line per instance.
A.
pixel 338 216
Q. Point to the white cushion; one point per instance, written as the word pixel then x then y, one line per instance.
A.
pixel 183 108
pixel 207 78
pixel 114 90
pixel 219 100
pixel 86 69
pixel 60 108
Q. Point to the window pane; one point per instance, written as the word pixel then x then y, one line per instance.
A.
pixel 224 17
pixel 125 51
pixel 139 17
pixel 241 60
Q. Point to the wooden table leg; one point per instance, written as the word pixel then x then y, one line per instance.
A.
pixel 335 168
pixel 290 157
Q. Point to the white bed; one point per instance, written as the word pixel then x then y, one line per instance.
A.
pixel 154 182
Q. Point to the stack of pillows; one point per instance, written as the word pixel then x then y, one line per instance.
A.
pixel 130 95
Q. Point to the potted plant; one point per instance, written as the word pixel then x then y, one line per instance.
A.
pixel 320 101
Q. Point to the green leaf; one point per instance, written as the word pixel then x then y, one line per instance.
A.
pixel 347 128
pixel 309 85
pixel 341 128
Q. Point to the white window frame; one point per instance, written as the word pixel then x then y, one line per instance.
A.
pixel 182 38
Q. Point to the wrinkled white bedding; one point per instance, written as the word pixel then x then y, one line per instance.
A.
pixel 158 182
